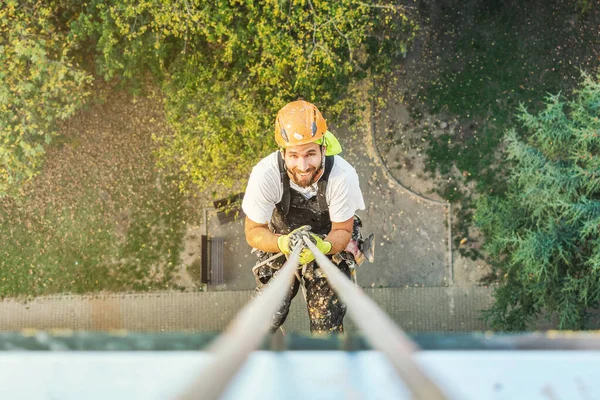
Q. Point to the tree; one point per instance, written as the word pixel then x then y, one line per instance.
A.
pixel 39 84
pixel 543 234
pixel 227 66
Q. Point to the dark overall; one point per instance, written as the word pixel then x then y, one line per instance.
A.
pixel 325 310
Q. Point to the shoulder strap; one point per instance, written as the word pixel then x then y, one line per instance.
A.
pixel 322 185
pixel 285 180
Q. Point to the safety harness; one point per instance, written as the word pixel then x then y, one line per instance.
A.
pixel 294 210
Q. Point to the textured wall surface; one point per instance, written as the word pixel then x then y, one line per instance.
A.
pixel 414 309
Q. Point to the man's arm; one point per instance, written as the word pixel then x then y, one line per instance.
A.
pixel 260 236
pixel 340 235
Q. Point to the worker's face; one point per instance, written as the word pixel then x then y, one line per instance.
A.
pixel 303 162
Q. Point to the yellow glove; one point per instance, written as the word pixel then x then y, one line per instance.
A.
pixel 306 256
pixel 283 241
pixel 324 247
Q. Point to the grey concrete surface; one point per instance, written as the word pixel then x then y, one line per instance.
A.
pixel 410 233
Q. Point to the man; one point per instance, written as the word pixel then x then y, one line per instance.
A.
pixel 304 183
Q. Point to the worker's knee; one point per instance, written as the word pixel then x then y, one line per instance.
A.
pixel 325 309
pixel 327 319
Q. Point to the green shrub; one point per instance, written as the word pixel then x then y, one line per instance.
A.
pixel 544 234
pixel 226 67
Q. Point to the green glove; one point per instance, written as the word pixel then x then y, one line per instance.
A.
pixel 324 247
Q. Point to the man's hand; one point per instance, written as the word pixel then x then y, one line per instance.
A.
pixel 286 243
pixel 283 242
pixel 324 247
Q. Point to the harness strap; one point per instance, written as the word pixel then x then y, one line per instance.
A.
pixel 321 185
pixel 285 180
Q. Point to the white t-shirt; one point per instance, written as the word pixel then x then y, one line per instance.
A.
pixel 265 190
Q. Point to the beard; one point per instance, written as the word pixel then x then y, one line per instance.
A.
pixel 305 180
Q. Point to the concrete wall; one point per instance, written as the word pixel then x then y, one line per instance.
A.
pixel 414 309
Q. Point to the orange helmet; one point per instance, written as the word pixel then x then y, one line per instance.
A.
pixel 299 122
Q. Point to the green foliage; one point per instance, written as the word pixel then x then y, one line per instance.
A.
pixel 79 247
pixel 544 234
pixel 228 66
pixel 99 216
pixel 489 59
pixel 38 86
pixel 224 68
pixel 584 6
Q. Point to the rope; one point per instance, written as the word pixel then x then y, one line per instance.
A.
pixel 245 333
pixel 242 336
